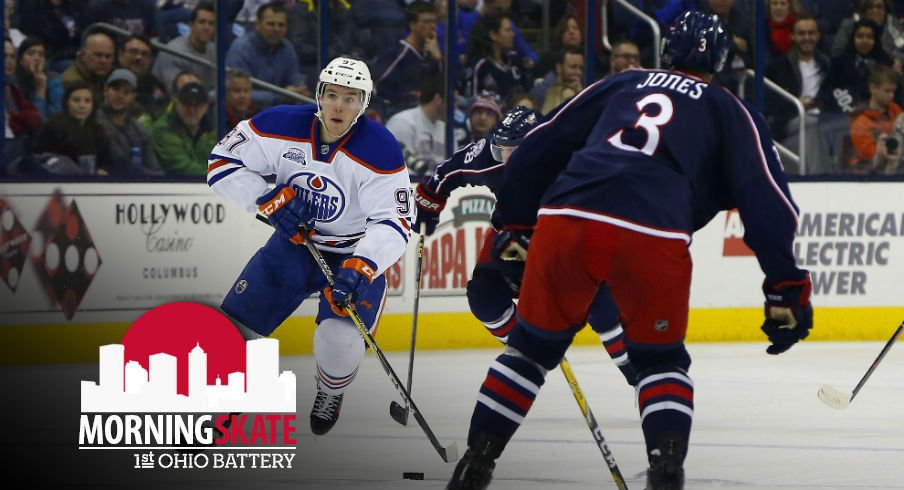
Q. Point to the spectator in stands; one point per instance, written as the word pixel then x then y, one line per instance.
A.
pixel 880 12
pixel 93 63
pixel 567 33
pixel 183 78
pixel 74 132
pixel 135 16
pixel 829 15
pixel 848 82
pixel 483 114
pixel 421 130
pixel 876 148
pixel 494 66
pixel 562 84
pixel 780 17
pixel 42 87
pixel 239 105
pixel 625 54
pixel 122 131
pixel 136 55
pixel 54 21
pixel 183 139
pixel 529 58
pixel 22 117
pixel 403 67
pixel 267 55
pixel 198 42
pixel 801 72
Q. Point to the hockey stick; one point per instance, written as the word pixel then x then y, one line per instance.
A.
pixel 448 453
pixel 838 399
pixel 592 424
pixel 397 411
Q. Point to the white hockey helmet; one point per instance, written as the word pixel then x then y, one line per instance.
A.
pixel 347 72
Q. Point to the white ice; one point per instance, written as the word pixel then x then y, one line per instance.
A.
pixel 758 425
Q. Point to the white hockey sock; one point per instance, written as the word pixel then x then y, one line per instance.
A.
pixel 338 350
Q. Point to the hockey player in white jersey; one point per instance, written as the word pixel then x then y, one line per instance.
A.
pixel 343 177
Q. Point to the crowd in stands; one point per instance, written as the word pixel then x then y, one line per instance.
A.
pixel 83 99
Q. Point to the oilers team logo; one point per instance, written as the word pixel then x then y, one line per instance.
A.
pixel 323 195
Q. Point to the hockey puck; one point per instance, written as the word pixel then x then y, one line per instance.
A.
pixel 412 475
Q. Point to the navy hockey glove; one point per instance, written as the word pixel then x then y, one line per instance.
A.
pixel 789 314
pixel 429 205
pixel 356 274
pixel 286 211
pixel 511 245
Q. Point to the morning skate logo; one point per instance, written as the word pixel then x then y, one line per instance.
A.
pixel 324 197
pixel 185 390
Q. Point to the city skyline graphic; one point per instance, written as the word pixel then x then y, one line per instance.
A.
pixel 126 386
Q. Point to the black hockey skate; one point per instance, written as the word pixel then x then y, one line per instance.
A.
pixel 325 412
pixel 666 463
pixel 474 470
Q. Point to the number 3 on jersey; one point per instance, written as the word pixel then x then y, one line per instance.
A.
pixel 650 124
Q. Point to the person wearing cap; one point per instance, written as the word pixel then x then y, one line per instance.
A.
pixel 124 133
pixel 483 115
pixel 183 138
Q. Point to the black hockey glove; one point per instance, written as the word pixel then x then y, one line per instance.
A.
pixel 789 314
pixel 429 205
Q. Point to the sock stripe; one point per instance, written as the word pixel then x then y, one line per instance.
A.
pixel 614 332
pixel 664 406
pixel 499 408
pixel 504 371
pixel 667 390
pixel 508 393
pixel 334 382
pixel 655 378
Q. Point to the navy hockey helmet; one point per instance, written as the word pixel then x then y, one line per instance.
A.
pixel 513 127
pixel 696 42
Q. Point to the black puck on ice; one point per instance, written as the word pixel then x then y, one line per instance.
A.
pixel 412 475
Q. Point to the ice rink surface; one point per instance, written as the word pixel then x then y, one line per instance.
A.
pixel 758 425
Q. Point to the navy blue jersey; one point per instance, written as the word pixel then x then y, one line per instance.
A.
pixel 471 165
pixel 661 153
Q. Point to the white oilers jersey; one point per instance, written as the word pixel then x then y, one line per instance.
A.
pixel 358 187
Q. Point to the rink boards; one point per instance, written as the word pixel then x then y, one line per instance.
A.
pixel 81 261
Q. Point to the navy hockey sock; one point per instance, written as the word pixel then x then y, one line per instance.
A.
pixel 614 342
pixel 666 403
pixel 506 396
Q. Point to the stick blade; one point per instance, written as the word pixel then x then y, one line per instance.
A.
pixel 398 413
pixel 450 453
pixel 834 397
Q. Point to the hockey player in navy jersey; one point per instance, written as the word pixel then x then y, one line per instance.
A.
pixel 613 186
pixel 495 283
pixel 342 176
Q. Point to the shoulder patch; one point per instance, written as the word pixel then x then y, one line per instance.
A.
pixel 375 147
pixel 288 122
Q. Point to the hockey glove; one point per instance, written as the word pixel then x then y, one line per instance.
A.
pixel 352 281
pixel 286 211
pixel 511 245
pixel 429 205
pixel 789 314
